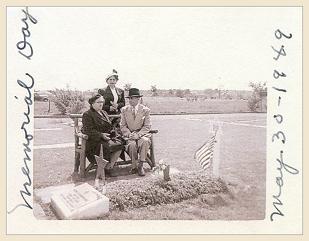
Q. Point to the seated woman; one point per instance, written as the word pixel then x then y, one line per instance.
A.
pixel 98 127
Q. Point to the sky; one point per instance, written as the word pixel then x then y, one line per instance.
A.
pixel 170 47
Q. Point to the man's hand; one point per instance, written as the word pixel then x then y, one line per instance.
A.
pixel 106 136
pixel 112 108
pixel 134 136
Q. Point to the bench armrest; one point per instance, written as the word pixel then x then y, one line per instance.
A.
pixel 81 135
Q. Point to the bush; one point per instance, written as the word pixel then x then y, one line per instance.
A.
pixel 256 98
pixel 154 90
pixel 127 86
pixel 180 93
pixel 69 101
pixel 253 103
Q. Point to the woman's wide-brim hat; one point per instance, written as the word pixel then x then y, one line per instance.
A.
pixel 114 73
pixel 134 92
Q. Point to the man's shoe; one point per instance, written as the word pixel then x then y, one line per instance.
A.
pixel 133 171
pixel 110 173
pixel 141 171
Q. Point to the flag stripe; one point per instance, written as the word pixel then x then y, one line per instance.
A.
pixel 206 160
pixel 209 148
pixel 205 146
pixel 205 165
pixel 204 154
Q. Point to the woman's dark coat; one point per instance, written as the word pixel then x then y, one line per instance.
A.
pixel 94 125
pixel 108 97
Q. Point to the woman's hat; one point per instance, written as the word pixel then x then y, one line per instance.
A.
pixel 94 98
pixel 134 92
pixel 114 73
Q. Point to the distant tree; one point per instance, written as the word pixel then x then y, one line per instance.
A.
pixel 154 90
pixel 224 94
pixel 218 93
pixel 171 92
pixel 240 96
pixel 228 96
pixel 208 93
pixel 187 92
pixel 68 101
pixel 179 93
pixel 127 86
pixel 258 88
pixel 256 97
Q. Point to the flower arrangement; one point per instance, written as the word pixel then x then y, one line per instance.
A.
pixel 163 167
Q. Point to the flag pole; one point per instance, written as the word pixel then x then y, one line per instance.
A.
pixel 216 153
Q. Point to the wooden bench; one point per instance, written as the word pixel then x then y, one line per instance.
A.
pixel 80 148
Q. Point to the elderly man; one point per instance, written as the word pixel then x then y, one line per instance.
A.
pixel 135 126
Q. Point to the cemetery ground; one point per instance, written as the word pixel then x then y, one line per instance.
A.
pixel 242 166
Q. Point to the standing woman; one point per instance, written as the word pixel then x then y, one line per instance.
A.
pixel 114 97
pixel 98 127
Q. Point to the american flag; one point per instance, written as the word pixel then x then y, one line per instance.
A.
pixel 204 154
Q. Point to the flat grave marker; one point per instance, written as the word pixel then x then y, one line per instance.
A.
pixel 80 202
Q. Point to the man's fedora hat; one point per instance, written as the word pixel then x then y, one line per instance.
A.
pixel 134 92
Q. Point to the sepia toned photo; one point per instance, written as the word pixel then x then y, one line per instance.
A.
pixel 156 113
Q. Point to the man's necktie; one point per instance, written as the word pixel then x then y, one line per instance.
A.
pixel 133 112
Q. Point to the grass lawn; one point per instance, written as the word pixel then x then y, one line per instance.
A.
pixel 44 108
pixel 179 105
pixel 242 164
pixel 168 105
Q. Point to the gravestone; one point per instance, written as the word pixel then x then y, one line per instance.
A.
pixel 80 202
pixel 166 173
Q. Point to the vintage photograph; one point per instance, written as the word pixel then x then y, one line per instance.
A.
pixel 150 113
pixel 146 86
